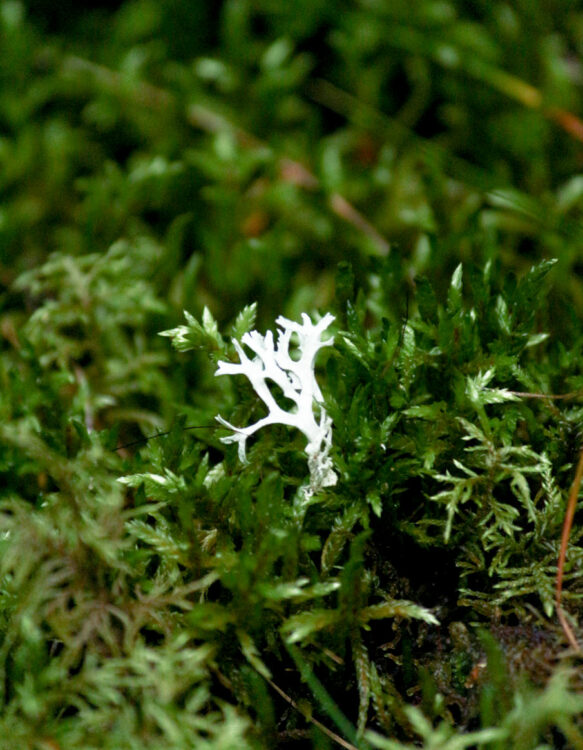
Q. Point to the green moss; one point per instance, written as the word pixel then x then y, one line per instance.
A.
pixel 411 169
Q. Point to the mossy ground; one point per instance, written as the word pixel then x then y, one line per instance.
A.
pixel 414 169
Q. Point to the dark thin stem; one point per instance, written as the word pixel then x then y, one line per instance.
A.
pixel 328 732
pixel 163 434
pixel 558 397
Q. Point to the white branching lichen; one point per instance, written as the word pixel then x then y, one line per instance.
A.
pixel 297 380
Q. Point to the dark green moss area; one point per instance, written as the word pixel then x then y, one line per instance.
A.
pixel 416 170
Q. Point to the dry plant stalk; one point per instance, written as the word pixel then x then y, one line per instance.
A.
pixel 567 525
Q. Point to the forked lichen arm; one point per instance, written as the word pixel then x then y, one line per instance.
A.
pixel 297 380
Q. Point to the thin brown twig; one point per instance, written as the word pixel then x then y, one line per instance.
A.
pixel 567 120
pixel 567 525
pixel 328 732
pixel 552 396
pixel 226 682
